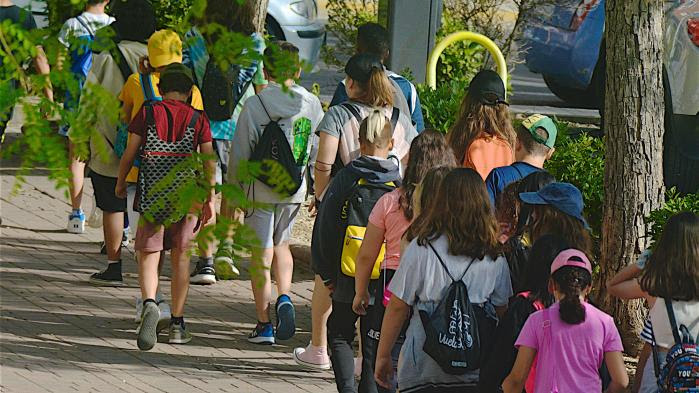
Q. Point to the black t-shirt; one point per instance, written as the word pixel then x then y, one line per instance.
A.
pixel 18 15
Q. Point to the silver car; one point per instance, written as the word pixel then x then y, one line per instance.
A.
pixel 295 21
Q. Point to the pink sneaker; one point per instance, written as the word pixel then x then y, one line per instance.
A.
pixel 312 357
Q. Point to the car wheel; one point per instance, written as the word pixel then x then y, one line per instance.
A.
pixel 679 170
pixel 273 29
pixel 586 98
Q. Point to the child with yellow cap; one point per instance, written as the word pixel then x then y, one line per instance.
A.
pixel 164 48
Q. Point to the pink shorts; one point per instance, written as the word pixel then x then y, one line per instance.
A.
pixel 155 237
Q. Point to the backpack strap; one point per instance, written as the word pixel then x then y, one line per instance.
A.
pixel 395 115
pixel 656 355
pixel 445 266
pixel 86 26
pixel 265 109
pixel 193 121
pixel 150 117
pixel 122 63
pixel 147 88
pixel 548 342
pixel 353 111
pixel 673 321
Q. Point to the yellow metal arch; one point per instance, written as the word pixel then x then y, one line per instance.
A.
pixel 486 42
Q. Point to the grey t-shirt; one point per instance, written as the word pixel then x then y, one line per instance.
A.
pixel 421 282
pixel 340 123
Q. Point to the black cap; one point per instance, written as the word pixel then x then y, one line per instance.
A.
pixel 488 88
pixel 359 66
pixel 177 69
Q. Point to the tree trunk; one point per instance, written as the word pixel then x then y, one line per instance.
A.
pixel 633 177
pixel 260 15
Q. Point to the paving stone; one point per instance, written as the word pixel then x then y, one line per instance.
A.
pixel 60 334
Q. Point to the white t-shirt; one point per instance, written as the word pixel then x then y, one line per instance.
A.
pixel 686 313
pixel 422 282
pixel 73 29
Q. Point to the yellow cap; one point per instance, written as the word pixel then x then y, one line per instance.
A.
pixel 164 47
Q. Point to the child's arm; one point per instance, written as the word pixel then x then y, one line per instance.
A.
pixel 617 370
pixel 630 289
pixel 627 273
pixel 393 320
pixel 514 383
pixel 243 142
pixel 368 252
pixel 327 151
pixel 209 209
pixel 126 163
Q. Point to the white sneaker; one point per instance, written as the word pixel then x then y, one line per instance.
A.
pixel 76 223
pixel 125 238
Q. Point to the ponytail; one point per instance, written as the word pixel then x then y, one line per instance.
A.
pixel 378 90
pixel 375 129
pixel 144 66
pixel 572 281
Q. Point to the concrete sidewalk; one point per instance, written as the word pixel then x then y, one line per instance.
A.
pixel 59 334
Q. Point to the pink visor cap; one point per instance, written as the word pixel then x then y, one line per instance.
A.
pixel 571 257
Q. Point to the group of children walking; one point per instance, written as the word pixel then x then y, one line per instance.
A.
pixel 462 263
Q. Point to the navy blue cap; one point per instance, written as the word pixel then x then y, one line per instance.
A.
pixel 563 196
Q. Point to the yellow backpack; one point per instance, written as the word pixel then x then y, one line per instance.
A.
pixel 355 217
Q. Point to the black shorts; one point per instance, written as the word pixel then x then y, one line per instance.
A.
pixel 104 193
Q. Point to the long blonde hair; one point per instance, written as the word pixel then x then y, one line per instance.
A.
pixel 475 119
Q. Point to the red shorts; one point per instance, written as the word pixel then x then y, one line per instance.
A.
pixel 155 237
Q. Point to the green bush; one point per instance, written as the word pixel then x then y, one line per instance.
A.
pixel 343 19
pixel 674 203
pixel 579 160
pixel 171 14
pixel 441 106
pixel 460 61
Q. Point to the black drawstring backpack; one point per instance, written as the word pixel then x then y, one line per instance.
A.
pixel 451 332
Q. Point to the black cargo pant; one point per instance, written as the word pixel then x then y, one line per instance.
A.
pixel 341 333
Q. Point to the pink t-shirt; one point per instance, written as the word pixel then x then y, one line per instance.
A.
pixel 388 216
pixel 575 353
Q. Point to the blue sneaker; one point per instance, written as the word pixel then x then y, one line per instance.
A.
pixel 262 334
pixel 286 318
pixel 76 222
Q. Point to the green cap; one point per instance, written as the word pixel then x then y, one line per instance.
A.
pixel 533 122
pixel 176 69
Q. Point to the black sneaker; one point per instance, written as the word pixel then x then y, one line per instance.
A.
pixel 203 276
pixel 107 278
